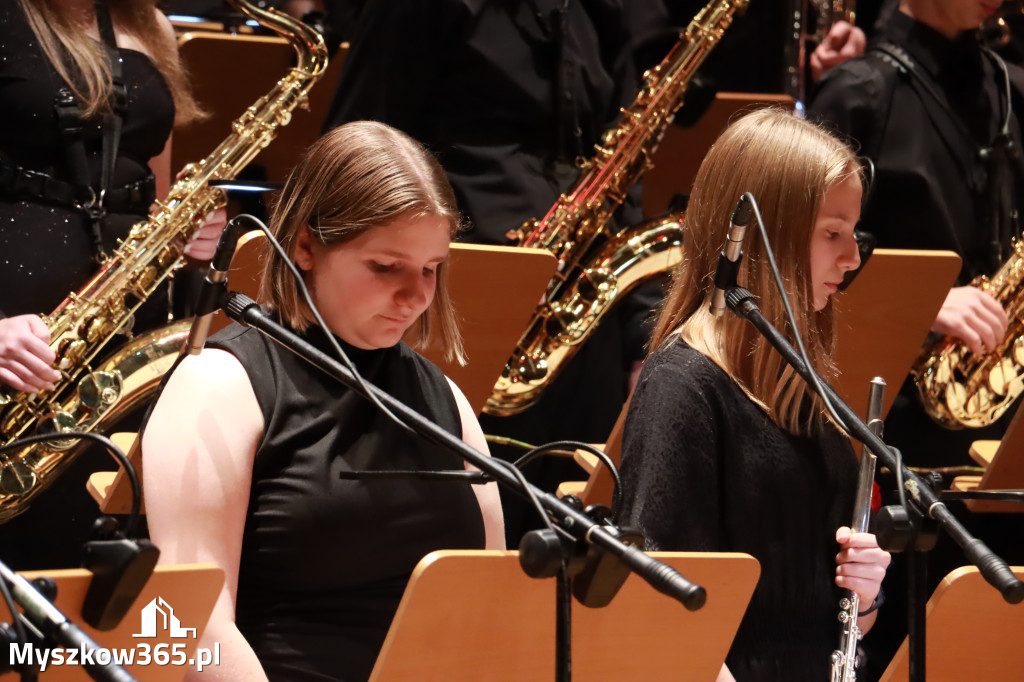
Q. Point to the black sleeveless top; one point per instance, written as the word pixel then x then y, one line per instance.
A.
pixel 325 560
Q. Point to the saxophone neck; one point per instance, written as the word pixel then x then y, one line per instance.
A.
pixel 308 43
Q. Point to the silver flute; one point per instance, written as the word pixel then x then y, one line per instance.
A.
pixel 844 659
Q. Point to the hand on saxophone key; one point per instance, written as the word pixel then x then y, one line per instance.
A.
pixel 974 317
pixel 25 356
pixel 203 244
pixel 844 41
pixel 860 564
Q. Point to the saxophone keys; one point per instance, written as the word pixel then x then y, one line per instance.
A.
pixel 94 330
pixel 597 282
pixel 527 368
pixel 99 390
pixel 126 327
pixel 59 422
pixel 1003 377
pixel 71 354
pixel 17 478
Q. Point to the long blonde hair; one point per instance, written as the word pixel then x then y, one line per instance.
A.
pixel 359 176
pixel 82 61
pixel 787 164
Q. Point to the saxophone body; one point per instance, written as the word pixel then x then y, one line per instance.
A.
pixel 830 12
pixel 960 389
pixel 597 266
pixel 91 397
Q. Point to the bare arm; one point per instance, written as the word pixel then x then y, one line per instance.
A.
pixel 486 495
pixel 724 675
pixel 198 452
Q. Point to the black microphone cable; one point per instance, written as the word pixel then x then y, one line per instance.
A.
pixel 111 447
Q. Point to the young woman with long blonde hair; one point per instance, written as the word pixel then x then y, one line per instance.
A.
pixel 725 447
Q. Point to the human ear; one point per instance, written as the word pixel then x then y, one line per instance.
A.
pixel 304 249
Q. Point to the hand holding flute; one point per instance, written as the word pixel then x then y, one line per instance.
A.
pixel 861 564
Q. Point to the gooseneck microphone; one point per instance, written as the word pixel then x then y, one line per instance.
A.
pixel 729 259
pixel 56 628
pixel 215 284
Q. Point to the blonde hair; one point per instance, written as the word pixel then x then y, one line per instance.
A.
pixel 359 176
pixel 82 61
pixel 787 164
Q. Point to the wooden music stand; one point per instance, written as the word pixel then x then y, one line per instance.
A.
pixel 972 633
pixel 190 591
pixel 229 72
pixel 682 149
pixel 878 334
pixel 470 616
pixel 884 317
pixel 1004 468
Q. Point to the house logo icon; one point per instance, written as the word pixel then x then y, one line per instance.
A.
pixel 158 616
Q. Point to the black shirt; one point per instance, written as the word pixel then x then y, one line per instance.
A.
pixel 507 94
pixel 931 188
pixel 705 469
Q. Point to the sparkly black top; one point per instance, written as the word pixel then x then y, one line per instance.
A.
pixel 325 560
pixel 46 250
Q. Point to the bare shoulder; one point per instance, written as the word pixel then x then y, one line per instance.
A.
pixel 211 385
pixel 212 367
pixel 460 397
pixel 472 434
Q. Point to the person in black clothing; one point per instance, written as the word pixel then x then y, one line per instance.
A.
pixel 936 113
pixel 509 95
pixel 53 59
pixel 725 447
pixel 43 48
pixel 247 444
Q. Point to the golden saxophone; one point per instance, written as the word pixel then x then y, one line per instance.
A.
pixel 595 265
pixel 962 389
pixel 89 398
pixel 829 12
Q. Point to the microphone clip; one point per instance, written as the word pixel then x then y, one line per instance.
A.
pixel 120 567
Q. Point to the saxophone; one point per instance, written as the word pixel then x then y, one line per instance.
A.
pixel 91 398
pixel 830 12
pixel 962 389
pixel 595 265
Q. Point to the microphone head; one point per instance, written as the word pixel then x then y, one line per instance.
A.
pixel 741 214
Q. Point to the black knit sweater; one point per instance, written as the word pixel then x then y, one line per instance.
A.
pixel 705 469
